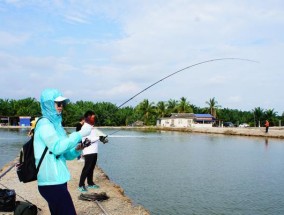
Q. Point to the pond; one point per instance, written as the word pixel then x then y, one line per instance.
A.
pixel 187 173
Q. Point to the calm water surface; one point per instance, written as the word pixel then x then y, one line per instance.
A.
pixel 11 141
pixel 181 173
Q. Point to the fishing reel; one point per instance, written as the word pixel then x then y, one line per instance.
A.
pixel 104 139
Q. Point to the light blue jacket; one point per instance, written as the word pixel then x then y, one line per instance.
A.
pixel 49 132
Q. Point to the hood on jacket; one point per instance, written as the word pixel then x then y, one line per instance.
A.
pixel 47 99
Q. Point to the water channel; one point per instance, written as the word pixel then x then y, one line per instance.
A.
pixel 186 173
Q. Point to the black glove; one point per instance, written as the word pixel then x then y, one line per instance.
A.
pixel 103 139
pixel 86 143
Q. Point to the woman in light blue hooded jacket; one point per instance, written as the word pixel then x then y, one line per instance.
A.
pixel 53 173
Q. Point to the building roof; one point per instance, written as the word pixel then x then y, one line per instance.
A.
pixel 203 115
pixel 182 115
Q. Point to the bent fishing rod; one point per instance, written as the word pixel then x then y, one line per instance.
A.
pixel 176 72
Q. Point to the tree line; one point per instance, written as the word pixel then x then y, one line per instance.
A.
pixel 108 114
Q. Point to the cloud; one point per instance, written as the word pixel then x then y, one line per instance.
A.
pixel 76 19
pixel 9 39
pixel 111 50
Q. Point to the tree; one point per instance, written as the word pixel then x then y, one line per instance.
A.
pixel 147 109
pixel 184 106
pixel 125 116
pixel 26 107
pixel 4 107
pixel 213 106
pixel 161 109
pixel 72 114
pixel 228 115
pixel 258 115
pixel 271 116
pixel 196 109
pixel 172 106
pixel 106 113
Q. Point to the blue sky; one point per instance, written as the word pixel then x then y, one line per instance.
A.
pixel 110 50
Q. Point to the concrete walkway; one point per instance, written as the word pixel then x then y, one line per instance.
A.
pixel 117 204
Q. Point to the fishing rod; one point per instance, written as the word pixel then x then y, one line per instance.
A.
pixel 8 170
pixel 178 71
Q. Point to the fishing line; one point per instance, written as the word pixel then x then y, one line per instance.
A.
pixel 174 73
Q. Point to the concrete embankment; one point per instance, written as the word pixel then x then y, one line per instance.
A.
pixel 117 204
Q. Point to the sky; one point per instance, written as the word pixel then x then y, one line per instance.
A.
pixel 107 51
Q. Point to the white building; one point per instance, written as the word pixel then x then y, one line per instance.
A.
pixel 185 120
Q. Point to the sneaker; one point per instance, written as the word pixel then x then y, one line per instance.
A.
pixel 93 186
pixel 82 189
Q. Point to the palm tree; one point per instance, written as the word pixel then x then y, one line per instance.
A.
pixel 172 106
pixel 184 106
pixel 213 105
pixel 146 108
pixel 161 109
pixel 258 115
pixel 271 116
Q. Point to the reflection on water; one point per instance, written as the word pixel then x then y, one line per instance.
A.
pixel 266 142
pixel 183 173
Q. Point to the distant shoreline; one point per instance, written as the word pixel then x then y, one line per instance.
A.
pixel 274 132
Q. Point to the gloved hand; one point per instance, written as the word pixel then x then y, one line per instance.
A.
pixel 86 143
pixel 83 144
pixel 85 130
pixel 103 139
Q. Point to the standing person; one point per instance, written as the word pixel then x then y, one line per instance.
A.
pixel 53 173
pixel 90 153
pixel 31 132
pixel 78 128
pixel 266 126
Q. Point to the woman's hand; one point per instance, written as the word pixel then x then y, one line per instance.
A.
pixel 79 147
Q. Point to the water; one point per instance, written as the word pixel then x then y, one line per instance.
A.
pixel 11 141
pixel 183 173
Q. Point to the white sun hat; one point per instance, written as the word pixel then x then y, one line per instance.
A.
pixel 62 99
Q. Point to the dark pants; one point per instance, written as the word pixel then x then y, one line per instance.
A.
pixel 266 129
pixel 58 199
pixel 88 169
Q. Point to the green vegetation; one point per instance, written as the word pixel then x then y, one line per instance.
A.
pixel 109 115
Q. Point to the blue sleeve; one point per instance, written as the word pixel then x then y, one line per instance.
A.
pixel 71 154
pixel 58 144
